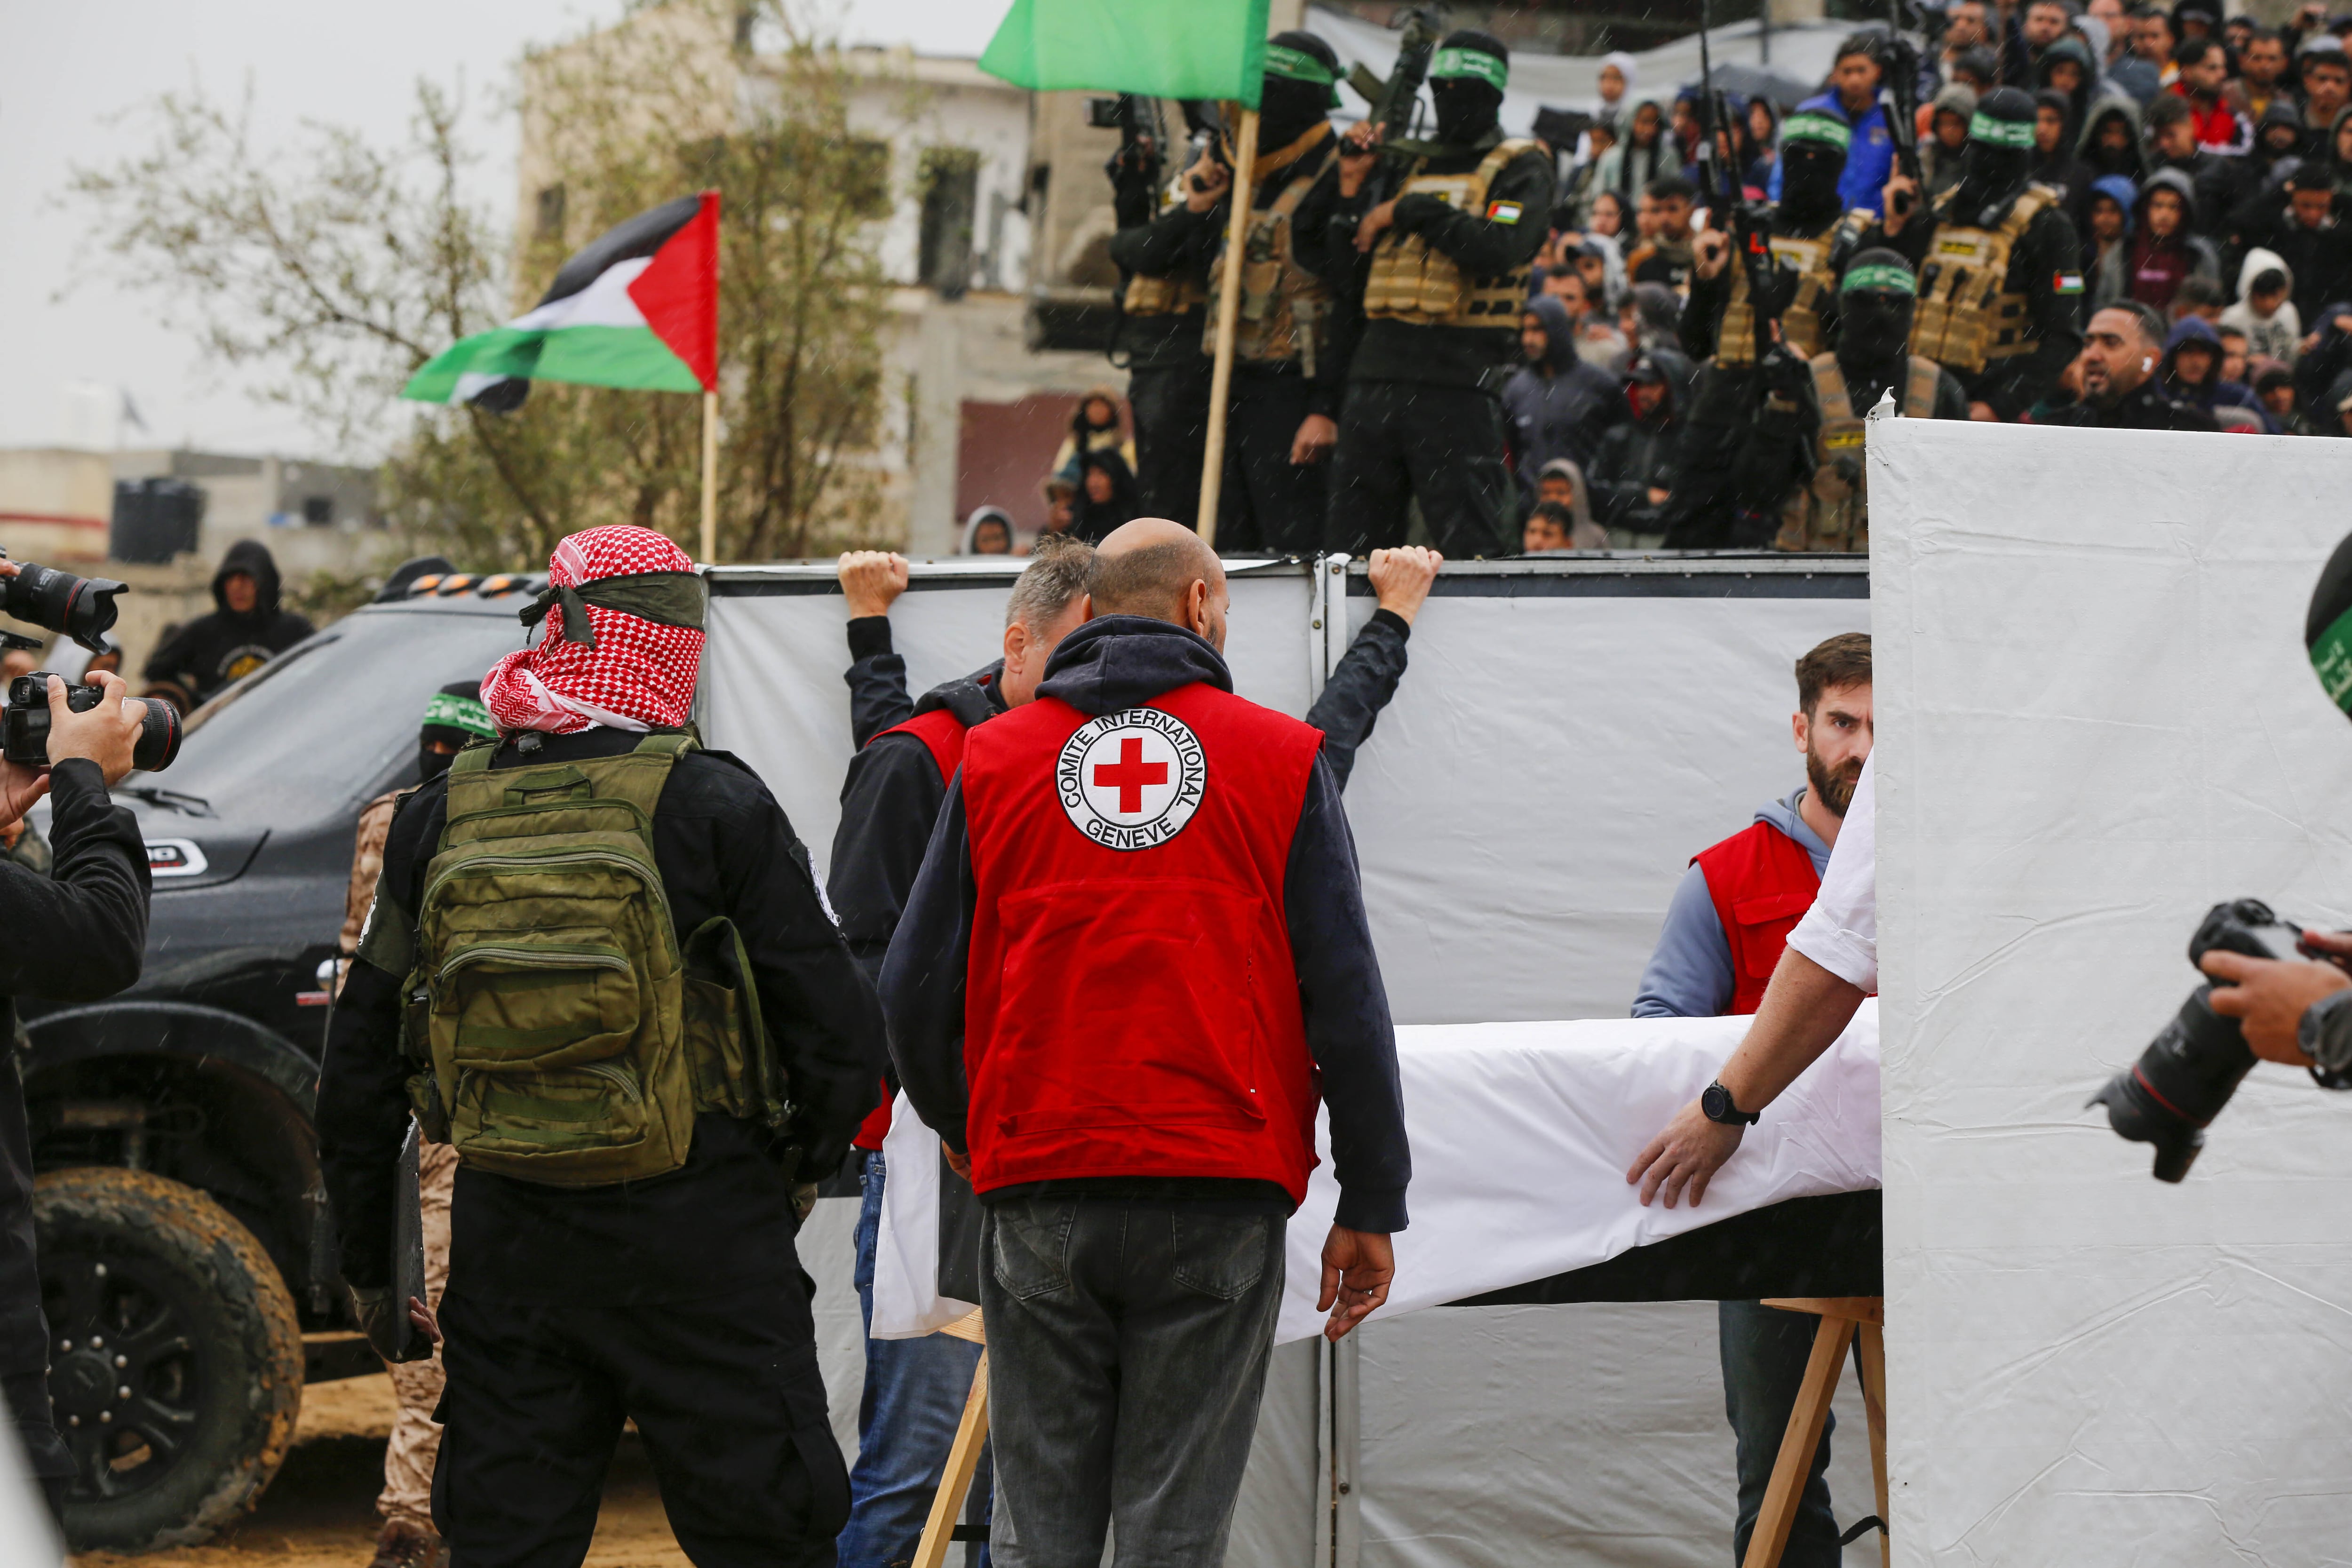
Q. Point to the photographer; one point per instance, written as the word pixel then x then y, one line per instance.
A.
pixel 77 934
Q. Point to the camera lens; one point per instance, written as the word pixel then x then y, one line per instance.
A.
pixel 158 738
pixel 80 607
pixel 2179 1084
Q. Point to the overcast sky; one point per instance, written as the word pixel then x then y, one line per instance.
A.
pixel 71 70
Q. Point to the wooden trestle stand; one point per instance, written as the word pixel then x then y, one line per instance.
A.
pixel 963 1457
pixel 1842 1317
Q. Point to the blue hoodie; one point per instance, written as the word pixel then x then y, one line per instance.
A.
pixel 2213 390
pixel 1690 974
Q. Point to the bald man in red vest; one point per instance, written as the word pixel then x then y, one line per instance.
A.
pixel 1134 963
pixel 1725 929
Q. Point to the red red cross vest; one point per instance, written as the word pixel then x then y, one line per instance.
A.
pixel 941 734
pixel 1132 1006
pixel 1762 882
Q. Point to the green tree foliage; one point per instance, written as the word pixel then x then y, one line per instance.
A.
pixel 337 271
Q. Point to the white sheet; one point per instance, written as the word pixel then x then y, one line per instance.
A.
pixel 1521 1134
pixel 2095 720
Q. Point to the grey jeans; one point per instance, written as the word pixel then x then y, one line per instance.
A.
pixel 1126 1350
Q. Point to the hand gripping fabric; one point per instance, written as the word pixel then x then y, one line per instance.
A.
pixel 561 1036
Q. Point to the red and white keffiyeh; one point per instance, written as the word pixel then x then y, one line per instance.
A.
pixel 639 676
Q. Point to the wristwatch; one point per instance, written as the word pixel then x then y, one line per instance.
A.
pixel 2326 1041
pixel 1715 1105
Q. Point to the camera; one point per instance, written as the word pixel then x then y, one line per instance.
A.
pixel 25 727
pixel 80 607
pixel 2188 1072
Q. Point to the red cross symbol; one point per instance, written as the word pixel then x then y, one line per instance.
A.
pixel 1130 774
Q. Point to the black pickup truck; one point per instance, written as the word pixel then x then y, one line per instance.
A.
pixel 186 1264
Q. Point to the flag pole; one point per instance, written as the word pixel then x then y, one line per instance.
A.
pixel 1239 196
pixel 710 477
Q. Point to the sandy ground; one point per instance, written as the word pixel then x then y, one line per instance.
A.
pixel 321 1511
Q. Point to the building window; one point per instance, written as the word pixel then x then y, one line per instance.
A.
pixel 550 212
pixel 318 511
pixel 950 187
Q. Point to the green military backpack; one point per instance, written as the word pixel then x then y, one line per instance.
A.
pixel 560 1034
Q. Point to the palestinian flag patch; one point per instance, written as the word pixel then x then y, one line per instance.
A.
pixel 1503 212
pixel 2066 283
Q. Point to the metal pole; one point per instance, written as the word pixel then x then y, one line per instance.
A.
pixel 710 477
pixel 1240 195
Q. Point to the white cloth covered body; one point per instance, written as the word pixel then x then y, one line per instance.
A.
pixel 1840 932
pixel 1521 1134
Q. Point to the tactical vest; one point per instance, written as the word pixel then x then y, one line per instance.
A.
pixel 1830 513
pixel 560 1034
pixel 1800 323
pixel 1762 882
pixel 1286 310
pixel 1170 296
pixel 1132 1006
pixel 1414 282
pixel 1968 318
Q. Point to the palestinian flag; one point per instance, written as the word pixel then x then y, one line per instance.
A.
pixel 638 308
pixel 1164 49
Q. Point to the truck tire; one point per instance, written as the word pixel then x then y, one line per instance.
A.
pixel 175 1357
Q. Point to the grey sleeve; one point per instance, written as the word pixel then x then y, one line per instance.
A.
pixel 1690 974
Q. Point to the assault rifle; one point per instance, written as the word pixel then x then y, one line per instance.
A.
pixel 1142 140
pixel 1767 292
pixel 1394 100
pixel 1898 65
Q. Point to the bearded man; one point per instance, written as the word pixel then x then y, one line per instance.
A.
pixel 1725 929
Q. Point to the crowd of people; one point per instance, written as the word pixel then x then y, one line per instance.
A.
pixel 2121 219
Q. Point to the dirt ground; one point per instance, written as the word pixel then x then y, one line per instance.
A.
pixel 321 1511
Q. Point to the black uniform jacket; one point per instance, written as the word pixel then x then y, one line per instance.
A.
pixel 723 1221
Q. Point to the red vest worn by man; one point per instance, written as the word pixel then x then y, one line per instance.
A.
pixel 1132 1007
pixel 1762 882
pixel 941 734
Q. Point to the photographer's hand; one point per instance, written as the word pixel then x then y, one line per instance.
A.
pixel 20 786
pixel 2268 996
pixel 106 733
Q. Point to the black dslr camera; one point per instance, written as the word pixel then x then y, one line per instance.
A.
pixel 80 607
pixel 25 726
pixel 2188 1072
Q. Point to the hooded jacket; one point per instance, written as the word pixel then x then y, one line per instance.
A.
pixel 2103 271
pixel 1690 974
pixel 2319 261
pixel 2279 335
pixel 1634 457
pixel 2156 266
pixel 2078 102
pixel 1559 408
pixel 1107 666
pixel 2131 161
pixel 2061 171
pixel 2213 390
pixel 210 651
pixel 1941 169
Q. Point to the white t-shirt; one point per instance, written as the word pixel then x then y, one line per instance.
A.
pixel 1840 932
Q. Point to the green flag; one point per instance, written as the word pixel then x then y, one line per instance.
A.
pixel 1166 48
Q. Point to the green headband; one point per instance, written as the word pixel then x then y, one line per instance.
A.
pixel 1297 64
pixel 665 598
pixel 1477 63
pixel 1817 128
pixel 2331 658
pixel 1878 275
pixel 453 712
pixel 2018 133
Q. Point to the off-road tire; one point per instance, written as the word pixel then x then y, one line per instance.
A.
pixel 198 1327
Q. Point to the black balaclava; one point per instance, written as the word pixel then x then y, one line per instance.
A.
pixel 1466 82
pixel 1300 90
pixel 1812 161
pixel 1994 165
pixel 1876 298
pixel 454 716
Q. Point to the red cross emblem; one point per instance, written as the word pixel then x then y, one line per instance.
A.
pixel 1131 773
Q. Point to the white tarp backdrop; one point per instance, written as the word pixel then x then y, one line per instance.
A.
pixel 2094 720
pixel 1566 735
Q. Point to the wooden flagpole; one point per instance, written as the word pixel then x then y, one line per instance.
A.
pixel 710 477
pixel 1239 196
